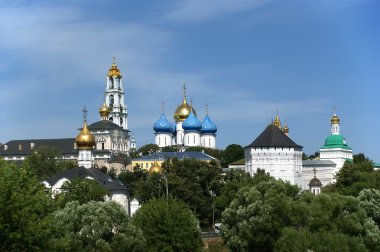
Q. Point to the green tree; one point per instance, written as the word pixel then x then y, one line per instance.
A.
pixel 95 226
pixel 44 162
pixel 24 207
pixel 169 149
pixel 209 151
pixel 132 179
pixel 168 225
pixel 81 190
pixel 148 149
pixel 232 153
pixel 370 202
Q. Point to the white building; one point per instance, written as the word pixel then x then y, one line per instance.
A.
pixel 278 155
pixel 187 131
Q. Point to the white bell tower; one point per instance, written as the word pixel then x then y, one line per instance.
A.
pixel 115 97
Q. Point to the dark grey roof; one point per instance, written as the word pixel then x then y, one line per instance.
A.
pixel 313 163
pixel 105 180
pixel 104 125
pixel 63 145
pixel 273 137
pixel 315 182
pixel 179 155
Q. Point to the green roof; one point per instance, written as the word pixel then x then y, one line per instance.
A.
pixel 335 142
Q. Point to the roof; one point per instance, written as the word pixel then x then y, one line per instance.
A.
pixel 273 137
pixel 63 145
pixel 104 180
pixel 315 182
pixel 314 163
pixel 335 141
pixel 104 125
pixel 180 155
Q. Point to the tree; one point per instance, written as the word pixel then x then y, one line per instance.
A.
pixel 169 149
pixel 168 225
pixel 370 202
pixel 209 151
pixel 232 153
pixel 148 149
pixel 44 162
pixel 95 226
pixel 133 179
pixel 81 190
pixel 24 207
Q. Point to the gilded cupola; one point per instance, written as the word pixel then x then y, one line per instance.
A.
pixel 184 109
pixel 114 71
pixel 85 140
pixel 285 129
pixel 277 122
pixel 104 111
pixel 155 168
pixel 335 119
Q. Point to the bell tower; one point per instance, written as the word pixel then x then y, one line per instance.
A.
pixel 114 97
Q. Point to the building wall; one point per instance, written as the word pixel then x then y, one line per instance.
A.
pixel 338 156
pixel 324 173
pixel 163 139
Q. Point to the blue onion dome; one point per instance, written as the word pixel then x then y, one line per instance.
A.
pixel 162 125
pixel 208 126
pixel 192 123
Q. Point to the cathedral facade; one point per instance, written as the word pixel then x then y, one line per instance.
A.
pixel 187 130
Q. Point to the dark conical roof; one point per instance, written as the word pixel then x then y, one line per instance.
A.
pixel 273 137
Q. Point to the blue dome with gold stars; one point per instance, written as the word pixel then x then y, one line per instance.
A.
pixel 162 125
pixel 192 123
pixel 208 126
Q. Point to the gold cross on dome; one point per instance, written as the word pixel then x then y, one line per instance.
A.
pixel 84 113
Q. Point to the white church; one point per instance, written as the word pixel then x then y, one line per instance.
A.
pixel 281 157
pixel 188 130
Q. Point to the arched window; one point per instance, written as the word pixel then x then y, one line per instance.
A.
pixel 111 100
pixel 111 83
pixel 111 119
pixel 102 146
pixel 121 121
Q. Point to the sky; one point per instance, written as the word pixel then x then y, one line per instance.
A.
pixel 246 59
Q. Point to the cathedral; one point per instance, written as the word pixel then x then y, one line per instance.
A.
pixel 188 130
pixel 113 139
pixel 281 157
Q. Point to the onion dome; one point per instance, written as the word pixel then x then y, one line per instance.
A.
pixel 277 122
pixel 114 71
pixel 335 119
pixel 285 129
pixel 208 126
pixel 104 111
pixel 183 111
pixel 85 140
pixel 192 123
pixel 335 141
pixel 155 168
pixel 162 125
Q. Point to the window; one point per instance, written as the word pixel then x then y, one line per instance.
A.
pixel 111 83
pixel 194 139
pixel 121 121
pixel 146 165
pixel 111 119
pixel 111 100
pixel 209 142
pixel 102 146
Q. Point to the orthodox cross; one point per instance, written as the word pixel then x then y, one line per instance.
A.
pixel 84 113
pixel 162 107
pixel 315 172
pixel 114 60
pixel 184 89
pixel 206 109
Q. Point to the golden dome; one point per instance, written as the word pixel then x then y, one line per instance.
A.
pixel 285 129
pixel 155 168
pixel 114 71
pixel 335 119
pixel 277 122
pixel 183 111
pixel 85 140
pixel 104 111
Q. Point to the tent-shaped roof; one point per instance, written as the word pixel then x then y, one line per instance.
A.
pixel 273 137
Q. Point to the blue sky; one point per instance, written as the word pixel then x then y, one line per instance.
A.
pixel 244 58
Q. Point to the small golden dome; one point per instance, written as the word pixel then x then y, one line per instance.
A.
pixel 114 71
pixel 155 168
pixel 85 140
pixel 104 111
pixel 277 122
pixel 285 129
pixel 335 119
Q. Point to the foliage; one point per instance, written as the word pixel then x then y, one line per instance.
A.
pixel 355 176
pixel 44 164
pixel 81 190
pixel 168 225
pixel 370 202
pixel 95 226
pixel 232 153
pixel 273 215
pixel 133 179
pixel 24 206
pixel 169 149
pixel 148 149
